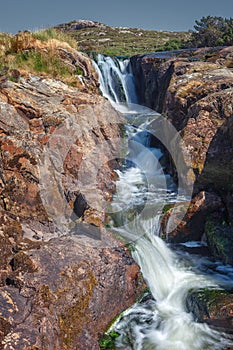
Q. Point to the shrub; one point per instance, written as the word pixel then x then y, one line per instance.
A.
pixel 173 44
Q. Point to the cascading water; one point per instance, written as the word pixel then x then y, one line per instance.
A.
pixel 116 79
pixel 160 320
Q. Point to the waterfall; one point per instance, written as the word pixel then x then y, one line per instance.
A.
pixel 160 321
pixel 116 79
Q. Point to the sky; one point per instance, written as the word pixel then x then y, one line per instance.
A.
pixel 172 15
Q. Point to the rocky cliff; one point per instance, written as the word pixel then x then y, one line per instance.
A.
pixel 193 89
pixel 63 277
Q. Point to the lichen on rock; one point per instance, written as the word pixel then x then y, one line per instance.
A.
pixel 62 281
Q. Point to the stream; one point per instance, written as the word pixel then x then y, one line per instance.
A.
pixel 161 319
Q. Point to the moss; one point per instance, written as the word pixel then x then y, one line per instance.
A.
pixel 206 303
pixel 211 296
pixel 108 340
pixel 79 70
pixel 75 315
pixel 220 240
pixel 167 207
pixel 131 247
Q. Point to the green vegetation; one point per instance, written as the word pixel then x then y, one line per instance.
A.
pixel 38 53
pixel 212 31
pixel 52 33
pixel 172 44
pixel 39 63
pixel 108 340
pixel 124 41
pixel 220 240
pixel 208 31
pixel 206 302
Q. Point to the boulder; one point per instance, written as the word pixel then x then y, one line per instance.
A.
pixel 213 306
pixel 63 295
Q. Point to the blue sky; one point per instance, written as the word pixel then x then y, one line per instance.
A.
pixel 175 15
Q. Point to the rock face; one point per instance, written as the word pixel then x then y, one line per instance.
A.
pixel 56 144
pixel 59 298
pixel 194 91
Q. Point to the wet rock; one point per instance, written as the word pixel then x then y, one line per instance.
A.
pixel 194 90
pixel 215 307
pixel 220 240
pixel 192 225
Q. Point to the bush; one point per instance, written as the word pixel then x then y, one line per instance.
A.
pixel 173 44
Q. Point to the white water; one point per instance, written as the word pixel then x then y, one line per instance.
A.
pixel 116 79
pixel 161 322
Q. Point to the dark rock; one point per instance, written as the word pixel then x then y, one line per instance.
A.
pixel 214 307
pixel 220 240
pixel 192 226
pixel 80 205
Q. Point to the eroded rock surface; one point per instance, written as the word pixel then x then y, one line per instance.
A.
pixel 63 278
pixel 66 295
pixel 193 89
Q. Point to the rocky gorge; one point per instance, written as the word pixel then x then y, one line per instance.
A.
pixel 61 291
pixel 193 90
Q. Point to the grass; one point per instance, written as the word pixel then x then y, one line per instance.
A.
pixel 125 41
pixel 41 63
pixel 52 33
pixel 38 53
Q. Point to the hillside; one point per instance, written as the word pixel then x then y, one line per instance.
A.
pixel 98 37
